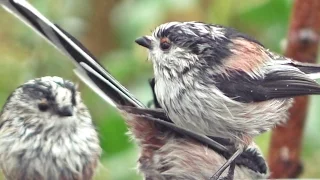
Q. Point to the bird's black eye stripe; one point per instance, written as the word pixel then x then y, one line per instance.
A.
pixel 165 32
pixel 158 35
pixel 37 91
pixel 73 97
pixel 72 88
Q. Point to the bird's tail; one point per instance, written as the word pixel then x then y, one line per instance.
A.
pixel 88 69
pixel 312 70
pixel 91 72
pixel 98 78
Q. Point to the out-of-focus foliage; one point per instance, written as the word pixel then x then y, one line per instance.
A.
pixel 115 25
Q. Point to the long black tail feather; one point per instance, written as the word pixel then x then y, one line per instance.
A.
pixel 89 70
pixel 69 46
pixel 307 68
pixel 102 82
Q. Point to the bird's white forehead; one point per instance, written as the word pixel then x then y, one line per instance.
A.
pixel 62 94
pixel 191 28
pixel 48 80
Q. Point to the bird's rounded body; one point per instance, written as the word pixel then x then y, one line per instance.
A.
pixel 202 108
pixel 51 142
pixel 220 82
pixel 165 154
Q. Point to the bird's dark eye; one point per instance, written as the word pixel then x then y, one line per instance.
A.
pixel 165 44
pixel 43 105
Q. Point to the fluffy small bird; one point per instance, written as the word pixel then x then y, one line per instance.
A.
pixel 88 69
pixel 166 154
pixel 46 132
pixel 217 81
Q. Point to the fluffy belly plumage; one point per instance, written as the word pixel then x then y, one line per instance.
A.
pixel 217 115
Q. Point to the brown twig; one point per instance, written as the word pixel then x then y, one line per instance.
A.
pixel 303 38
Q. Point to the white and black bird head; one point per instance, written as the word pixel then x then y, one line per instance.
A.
pixel 46 132
pixel 177 47
pixel 51 100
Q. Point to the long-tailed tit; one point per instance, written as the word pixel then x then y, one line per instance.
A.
pixel 219 82
pixel 89 70
pixel 46 132
pixel 166 154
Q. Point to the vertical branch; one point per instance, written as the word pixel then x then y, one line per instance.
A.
pixel 303 39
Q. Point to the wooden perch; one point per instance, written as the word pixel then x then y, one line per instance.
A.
pixel 303 39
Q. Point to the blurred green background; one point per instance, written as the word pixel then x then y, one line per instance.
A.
pixel 108 28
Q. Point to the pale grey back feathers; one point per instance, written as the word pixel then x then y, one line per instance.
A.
pixel 40 145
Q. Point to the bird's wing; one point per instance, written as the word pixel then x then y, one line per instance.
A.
pixel 311 69
pixel 281 82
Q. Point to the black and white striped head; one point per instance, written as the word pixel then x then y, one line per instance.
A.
pixel 46 132
pixel 177 47
pixel 46 99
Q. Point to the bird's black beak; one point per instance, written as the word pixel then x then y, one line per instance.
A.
pixel 144 41
pixel 65 111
